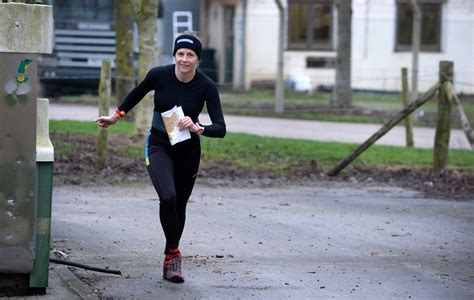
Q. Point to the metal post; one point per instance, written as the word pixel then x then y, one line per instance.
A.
pixel 279 88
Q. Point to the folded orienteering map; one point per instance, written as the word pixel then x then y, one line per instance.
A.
pixel 170 119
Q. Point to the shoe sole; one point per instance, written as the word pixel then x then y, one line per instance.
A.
pixel 174 279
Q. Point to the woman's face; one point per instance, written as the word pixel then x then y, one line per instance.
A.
pixel 186 60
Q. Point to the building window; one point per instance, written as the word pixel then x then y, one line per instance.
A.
pixel 430 25
pixel 310 24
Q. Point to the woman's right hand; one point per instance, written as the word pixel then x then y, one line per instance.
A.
pixel 105 121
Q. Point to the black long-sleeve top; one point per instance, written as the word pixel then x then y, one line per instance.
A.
pixel 169 91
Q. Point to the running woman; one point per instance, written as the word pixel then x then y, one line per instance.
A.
pixel 173 169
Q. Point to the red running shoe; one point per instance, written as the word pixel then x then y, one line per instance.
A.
pixel 172 269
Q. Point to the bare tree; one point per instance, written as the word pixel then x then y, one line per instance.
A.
pixel 124 72
pixel 146 12
pixel 342 93
pixel 279 88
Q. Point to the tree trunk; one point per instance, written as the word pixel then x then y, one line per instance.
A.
pixel 146 15
pixel 124 72
pixel 279 88
pixel 342 93
pixel 415 48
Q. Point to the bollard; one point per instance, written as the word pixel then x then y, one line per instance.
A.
pixel 44 168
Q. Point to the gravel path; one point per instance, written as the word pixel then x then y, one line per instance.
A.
pixel 318 241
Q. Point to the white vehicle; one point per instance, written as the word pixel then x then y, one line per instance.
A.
pixel 300 83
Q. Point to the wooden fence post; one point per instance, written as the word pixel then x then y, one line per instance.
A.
pixel 409 118
pixel 443 125
pixel 102 150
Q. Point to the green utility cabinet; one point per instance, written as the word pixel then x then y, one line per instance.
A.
pixel 25 167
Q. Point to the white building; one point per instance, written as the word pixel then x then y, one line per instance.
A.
pixel 245 35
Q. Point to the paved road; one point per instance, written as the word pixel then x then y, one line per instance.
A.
pixel 317 240
pixel 314 241
pixel 300 129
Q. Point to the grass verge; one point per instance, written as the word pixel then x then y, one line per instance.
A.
pixel 267 153
pixel 82 127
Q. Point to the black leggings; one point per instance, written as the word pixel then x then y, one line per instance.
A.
pixel 173 171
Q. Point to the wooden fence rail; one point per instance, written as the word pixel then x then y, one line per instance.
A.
pixel 385 128
pixel 466 127
pixel 447 97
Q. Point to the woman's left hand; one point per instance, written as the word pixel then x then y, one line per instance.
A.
pixel 188 123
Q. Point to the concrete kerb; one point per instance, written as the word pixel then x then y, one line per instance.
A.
pixel 74 283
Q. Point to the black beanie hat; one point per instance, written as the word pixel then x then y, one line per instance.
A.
pixel 188 41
